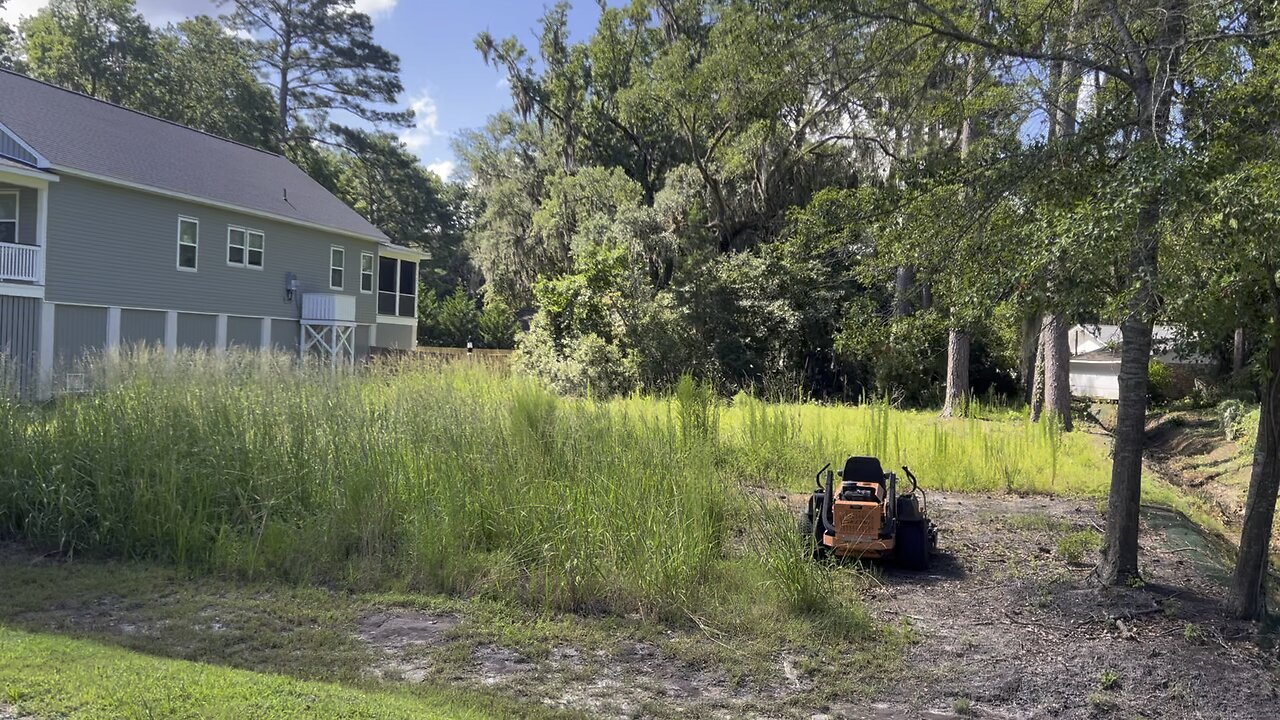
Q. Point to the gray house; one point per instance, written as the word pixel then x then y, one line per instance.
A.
pixel 119 228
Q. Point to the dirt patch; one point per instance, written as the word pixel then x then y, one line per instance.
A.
pixel 1014 630
pixel 1006 627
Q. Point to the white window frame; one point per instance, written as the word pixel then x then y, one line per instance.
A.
pixel 247 233
pixel 244 248
pixel 342 268
pixel 17 213
pixel 248 249
pixel 177 261
pixel 371 274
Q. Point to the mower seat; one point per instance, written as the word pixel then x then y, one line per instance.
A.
pixel 863 469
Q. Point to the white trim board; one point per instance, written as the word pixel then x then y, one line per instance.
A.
pixel 21 290
pixel 380 241
pixel 183 312
pixel 402 253
pixel 397 320
pixel 26 178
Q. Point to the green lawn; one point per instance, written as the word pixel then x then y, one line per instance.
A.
pixel 64 677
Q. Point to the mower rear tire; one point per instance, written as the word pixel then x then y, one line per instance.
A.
pixel 911 548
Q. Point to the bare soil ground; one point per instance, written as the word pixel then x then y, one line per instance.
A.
pixel 1006 628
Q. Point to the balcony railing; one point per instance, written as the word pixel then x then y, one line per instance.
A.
pixel 20 262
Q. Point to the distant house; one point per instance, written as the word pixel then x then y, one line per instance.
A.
pixel 119 228
pixel 1095 358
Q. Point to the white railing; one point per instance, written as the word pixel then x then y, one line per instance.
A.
pixel 20 262
pixel 328 309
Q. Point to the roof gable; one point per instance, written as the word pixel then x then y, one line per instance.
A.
pixel 14 148
pixel 78 134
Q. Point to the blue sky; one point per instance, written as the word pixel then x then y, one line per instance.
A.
pixel 445 80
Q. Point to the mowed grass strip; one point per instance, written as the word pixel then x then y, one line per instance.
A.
pixel 52 676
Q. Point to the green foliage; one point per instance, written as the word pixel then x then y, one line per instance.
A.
pixel 102 48
pixel 1160 382
pixel 322 54
pixel 454 320
pixel 902 357
pixel 205 80
pixel 1239 424
pixel 497 326
pixel 8 61
pixel 1075 547
pixel 582 365
pixel 1108 680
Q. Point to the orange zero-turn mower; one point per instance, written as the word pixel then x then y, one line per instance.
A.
pixel 866 518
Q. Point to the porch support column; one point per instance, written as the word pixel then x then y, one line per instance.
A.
pixel 171 333
pixel 44 369
pixel 220 334
pixel 113 330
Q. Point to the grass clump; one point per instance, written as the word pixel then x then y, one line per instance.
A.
pixel 1073 547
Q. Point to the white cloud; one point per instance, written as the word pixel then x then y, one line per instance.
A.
pixel 426 124
pixel 443 168
pixel 16 9
pixel 376 8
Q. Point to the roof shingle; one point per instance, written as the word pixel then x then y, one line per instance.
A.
pixel 81 133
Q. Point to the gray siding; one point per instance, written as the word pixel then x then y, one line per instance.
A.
pixel 362 340
pixel 115 246
pixel 77 331
pixel 284 335
pixel 395 337
pixel 10 148
pixel 197 331
pixel 141 327
pixel 28 207
pixel 244 332
pixel 19 343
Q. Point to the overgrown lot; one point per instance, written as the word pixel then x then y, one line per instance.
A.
pixel 470 481
pixel 547 521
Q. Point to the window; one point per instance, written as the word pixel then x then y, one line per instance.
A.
pixel 366 272
pixel 337 261
pixel 257 249
pixel 245 248
pixel 188 242
pixel 397 291
pixel 235 246
pixel 9 217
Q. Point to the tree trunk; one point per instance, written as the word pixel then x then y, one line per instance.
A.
pixel 1057 370
pixel 903 282
pixel 1120 545
pixel 1037 378
pixel 1237 351
pixel 1248 593
pixel 956 402
pixel 1029 351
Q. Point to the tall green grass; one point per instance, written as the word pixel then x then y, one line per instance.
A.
pixel 469 480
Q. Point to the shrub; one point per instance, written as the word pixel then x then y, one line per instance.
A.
pixel 582 366
pixel 1073 547
pixel 1160 382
